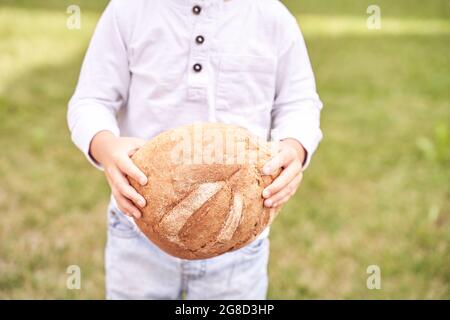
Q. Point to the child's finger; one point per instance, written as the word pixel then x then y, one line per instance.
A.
pixel 282 159
pixel 281 202
pixel 127 166
pixel 130 193
pixel 126 206
pixel 137 144
pixel 286 176
pixel 287 192
pixel 122 185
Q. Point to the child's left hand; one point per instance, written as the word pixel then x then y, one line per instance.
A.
pixel 290 159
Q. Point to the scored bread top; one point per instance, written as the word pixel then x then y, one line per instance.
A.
pixel 204 189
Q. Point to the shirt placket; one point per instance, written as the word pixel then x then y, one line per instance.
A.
pixel 203 16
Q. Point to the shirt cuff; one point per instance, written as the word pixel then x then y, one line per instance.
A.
pixel 308 138
pixel 86 128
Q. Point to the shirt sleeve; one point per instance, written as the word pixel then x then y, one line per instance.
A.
pixel 102 87
pixel 296 110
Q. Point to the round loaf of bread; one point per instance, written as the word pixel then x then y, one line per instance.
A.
pixel 204 190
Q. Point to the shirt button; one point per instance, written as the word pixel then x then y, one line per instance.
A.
pixel 197 67
pixel 196 10
pixel 200 39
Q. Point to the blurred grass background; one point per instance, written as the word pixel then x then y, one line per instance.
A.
pixel 377 192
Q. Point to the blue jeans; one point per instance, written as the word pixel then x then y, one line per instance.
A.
pixel 138 269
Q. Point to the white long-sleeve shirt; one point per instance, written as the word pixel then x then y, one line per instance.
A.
pixel 157 64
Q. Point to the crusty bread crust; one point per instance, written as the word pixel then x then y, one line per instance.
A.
pixel 204 190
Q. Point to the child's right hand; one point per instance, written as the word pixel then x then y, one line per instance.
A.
pixel 114 153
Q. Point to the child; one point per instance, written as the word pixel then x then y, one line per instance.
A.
pixel 157 64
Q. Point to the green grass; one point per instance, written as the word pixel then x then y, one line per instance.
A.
pixel 377 191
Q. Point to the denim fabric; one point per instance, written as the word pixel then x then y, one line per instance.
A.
pixel 138 269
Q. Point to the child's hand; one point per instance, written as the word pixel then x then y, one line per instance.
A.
pixel 290 159
pixel 114 154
